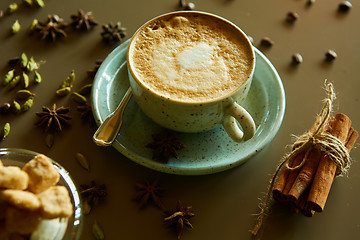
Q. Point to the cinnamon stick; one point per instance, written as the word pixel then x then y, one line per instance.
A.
pixel 287 177
pixel 324 176
pixel 305 176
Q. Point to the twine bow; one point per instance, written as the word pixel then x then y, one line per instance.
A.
pixel 319 140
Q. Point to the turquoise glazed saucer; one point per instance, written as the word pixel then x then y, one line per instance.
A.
pixel 206 152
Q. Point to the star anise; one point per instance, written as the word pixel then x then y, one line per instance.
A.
pixel 179 218
pixel 86 113
pixel 149 191
pixel 113 32
pixel 53 118
pixel 91 72
pixel 83 20
pixel 52 28
pixel 91 194
pixel 165 144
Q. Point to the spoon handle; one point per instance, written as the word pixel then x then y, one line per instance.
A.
pixel 109 129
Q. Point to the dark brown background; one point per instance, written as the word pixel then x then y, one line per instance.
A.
pixel 224 203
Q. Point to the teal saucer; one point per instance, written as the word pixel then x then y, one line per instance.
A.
pixel 206 152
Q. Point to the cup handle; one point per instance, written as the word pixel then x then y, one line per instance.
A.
pixel 236 113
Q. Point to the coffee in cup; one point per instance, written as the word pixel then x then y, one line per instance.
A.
pixel 190 70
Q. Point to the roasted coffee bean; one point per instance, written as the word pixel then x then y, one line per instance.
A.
pixel 344 6
pixel 297 58
pixel 330 55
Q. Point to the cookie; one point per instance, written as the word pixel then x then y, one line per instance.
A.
pixel 55 202
pixel 42 174
pixel 13 178
pixel 21 221
pixel 20 199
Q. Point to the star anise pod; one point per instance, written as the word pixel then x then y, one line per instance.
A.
pixel 53 118
pixel 83 20
pixel 52 28
pixel 86 113
pixel 179 218
pixel 92 72
pixel 165 144
pixel 91 194
pixel 149 191
pixel 113 32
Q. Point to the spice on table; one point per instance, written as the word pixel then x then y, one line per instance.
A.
pixel 52 28
pixel 15 106
pixel 304 178
pixel 37 77
pixel 40 3
pixel 86 114
pixel 149 192
pixel 77 97
pixel 92 194
pixel 97 231
pixel 165 145
pixel 113 32
pixel 82 20
pixel 53 118
pixel 66 85
pixel 179 218
pixel 310 2
pixel 92 72
pixel 13 7
pixel 330 55
pixel 5 108
pixel 292 17
pixel 8 77
pixel 85 89
pixel 296 58
pixel 83 161
pixel 25 106
pixel 5 130
pixel 15 28
pixel 345 6
pixel 266 41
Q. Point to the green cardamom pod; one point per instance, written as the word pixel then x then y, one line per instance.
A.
pixel 28 2
pixel 97 231
pixel 24 94
pixel 8 77
pixel 5 131
pixel 63 91
pixel 14 82
pixel 13 7
pixel 25 79
pixel 27 105
pixel 33 25
pixel 23 60
pixel 15 106
pixel 83 161
pixel 40 3
pixel 79 98
pixel 37 77
pixel 15 28
pixel 69 80
pixel 86 89
pixel 32 65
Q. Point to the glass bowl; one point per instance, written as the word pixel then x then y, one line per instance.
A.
pixel 67 229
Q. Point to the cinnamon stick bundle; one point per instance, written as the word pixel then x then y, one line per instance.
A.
pixel 306 189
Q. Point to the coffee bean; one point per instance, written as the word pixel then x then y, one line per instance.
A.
pixel 189 6
pixel 267 42
pixel 310 2
pixel 5 108
pixel 297 58
pixel 292 17
pixel 330 55
pixel 344 6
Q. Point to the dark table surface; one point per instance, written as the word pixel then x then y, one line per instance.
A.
pixel 225 202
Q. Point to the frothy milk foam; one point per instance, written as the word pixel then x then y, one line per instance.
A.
pixel 192 58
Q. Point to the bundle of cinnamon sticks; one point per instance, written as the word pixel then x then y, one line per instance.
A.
pixel 306 188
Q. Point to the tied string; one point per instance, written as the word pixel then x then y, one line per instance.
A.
pixel 317 139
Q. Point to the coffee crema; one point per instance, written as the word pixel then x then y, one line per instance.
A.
pixel 191 57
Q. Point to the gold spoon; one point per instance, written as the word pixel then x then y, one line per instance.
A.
pixel 107 132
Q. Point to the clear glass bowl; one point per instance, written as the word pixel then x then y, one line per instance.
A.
pixel 70 228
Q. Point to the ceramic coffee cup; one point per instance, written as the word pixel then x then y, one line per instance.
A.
pixel 190 71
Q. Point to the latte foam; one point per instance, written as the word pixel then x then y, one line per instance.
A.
pixel 191 58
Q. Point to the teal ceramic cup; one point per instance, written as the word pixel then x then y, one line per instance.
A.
pixel 196 116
